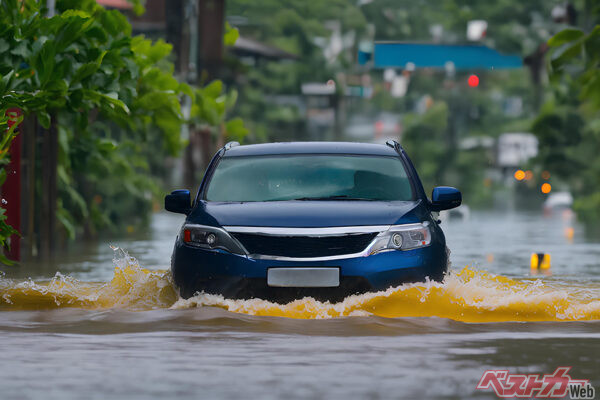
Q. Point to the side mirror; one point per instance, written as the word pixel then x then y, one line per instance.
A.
pixel 445 198
pixel 178 201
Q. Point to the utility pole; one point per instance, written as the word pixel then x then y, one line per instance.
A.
pixel 211 26
pixel 174 23
pixel 196 28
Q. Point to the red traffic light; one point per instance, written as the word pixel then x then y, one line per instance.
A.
pixel 473 81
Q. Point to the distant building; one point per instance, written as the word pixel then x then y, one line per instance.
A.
pixel 515 149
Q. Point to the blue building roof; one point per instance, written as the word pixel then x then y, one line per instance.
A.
pixel 310 148
pixel 398 55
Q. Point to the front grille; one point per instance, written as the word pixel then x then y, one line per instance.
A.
pixel 304 246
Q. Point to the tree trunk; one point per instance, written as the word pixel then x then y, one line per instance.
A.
pixel 207 146
pixel 211 24
pixel 535 62
pixel 29 132
pixel 49 191
pixel 189 166
pixel 221 137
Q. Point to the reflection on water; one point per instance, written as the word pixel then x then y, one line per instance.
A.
pixel 97 330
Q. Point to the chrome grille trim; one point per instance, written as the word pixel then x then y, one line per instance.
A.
pixel 299 259
pixel 327 231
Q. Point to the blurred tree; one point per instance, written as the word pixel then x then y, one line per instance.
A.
pixel 209 116
pixel 422 138
pixel 302 29
pixel 512 27
pixel 569 125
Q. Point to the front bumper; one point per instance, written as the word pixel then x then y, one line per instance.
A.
pixel 240 277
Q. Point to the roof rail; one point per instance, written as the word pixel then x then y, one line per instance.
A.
pixel 231 144
pixel 392 143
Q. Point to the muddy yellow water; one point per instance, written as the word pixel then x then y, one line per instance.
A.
pixel 465 295
pixel 90 327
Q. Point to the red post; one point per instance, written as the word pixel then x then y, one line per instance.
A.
pixel 11 190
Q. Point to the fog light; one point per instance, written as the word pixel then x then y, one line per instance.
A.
pixel 211 239
pixel 397 240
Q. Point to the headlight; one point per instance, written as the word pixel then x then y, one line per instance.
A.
pixel 209 237
pixel 402 237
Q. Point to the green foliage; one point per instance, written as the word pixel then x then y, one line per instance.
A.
pixel 588 208
pixel 116 101
pixel 115 98
pixel 138 6
pixel 62 63
pixel 6 231
pixel 424 139
pixel 6 136
pixel 513 26
pixel 576 51
pixel 210 110
pixel 231 35
pixel 427 140
pixel 569 125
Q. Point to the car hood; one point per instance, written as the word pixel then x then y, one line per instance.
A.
pixel 307 214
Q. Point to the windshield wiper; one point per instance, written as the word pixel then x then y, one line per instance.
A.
pixel 335 197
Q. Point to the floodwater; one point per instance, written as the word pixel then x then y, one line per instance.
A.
pixel 101 328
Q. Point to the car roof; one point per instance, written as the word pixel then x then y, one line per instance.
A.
pixel 310 148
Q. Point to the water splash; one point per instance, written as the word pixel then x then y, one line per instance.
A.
pixel 467 295
pixel 131 287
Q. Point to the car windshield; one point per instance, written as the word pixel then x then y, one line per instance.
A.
pixel 309 177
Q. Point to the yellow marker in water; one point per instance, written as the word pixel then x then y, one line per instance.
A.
pixel 540 261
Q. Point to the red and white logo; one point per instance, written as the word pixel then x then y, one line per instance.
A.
pixel 557 385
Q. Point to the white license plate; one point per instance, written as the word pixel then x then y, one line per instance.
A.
pixel 303 277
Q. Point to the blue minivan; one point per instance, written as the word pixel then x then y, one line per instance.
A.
pixel 282 221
